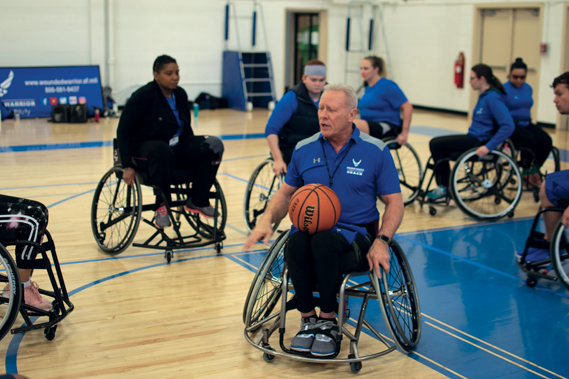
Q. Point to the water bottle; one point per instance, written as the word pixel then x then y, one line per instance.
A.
pixel 196 110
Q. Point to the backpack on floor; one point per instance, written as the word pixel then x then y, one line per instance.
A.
pixel 79 114
pixel 60 113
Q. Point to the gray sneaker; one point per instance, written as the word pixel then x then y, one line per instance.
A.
pixel 325 342
pixel 207 212
pixel 305 336
pixel 161 218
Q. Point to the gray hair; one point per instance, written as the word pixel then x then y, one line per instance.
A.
pixel 351 97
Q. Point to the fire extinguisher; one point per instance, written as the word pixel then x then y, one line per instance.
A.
pixel 459 71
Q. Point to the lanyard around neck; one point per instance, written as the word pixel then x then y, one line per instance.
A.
pixel 331 177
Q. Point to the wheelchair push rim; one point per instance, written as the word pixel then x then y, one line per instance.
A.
pixel 9 305
pixel 559 253
pixel 261 187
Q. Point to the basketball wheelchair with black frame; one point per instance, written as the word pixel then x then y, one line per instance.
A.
pixel 263 183
pixel 12 300
pixel 117 209
pixel 271 296
pixel 487 188
pixel 556 266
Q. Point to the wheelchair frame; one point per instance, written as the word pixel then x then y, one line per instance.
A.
pixel 556 162
pixel 559 243
pixel 61 305
pixel 126 205
pixel 273 276
pixel 482 181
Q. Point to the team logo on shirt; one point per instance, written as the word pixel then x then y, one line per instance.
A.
pixel 356 163
pixel 355 170
pixel 480 110
pixel 316 160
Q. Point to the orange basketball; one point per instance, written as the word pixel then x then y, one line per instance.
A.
pixel 314 208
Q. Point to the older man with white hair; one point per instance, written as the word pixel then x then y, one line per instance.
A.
pixel 357 167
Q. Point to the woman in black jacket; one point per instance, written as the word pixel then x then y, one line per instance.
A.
pixel 155 132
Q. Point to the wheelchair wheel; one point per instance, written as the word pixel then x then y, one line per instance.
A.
pixel 265 290
pixel 486 188
pixel 408 167
pixel 552 163
pixel 261 187
pixel 203 225
pixel 559 251
pixel 401 301
pixel 9 304
pixel 115 212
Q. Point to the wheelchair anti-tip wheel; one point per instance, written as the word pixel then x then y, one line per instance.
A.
pixel 486 188
pixel 261 187
pixel 10 299
pixel 408 167
pixel 559 252
pixel 400 299
pixel 115 211
pixel 265 290
pixel 205 226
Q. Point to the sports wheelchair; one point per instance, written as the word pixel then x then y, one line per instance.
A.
pixel 552 164
pixel 13 303
pixel 116 212
pixel 270 298
pixel 263 183
pixel 487 188
pixel 556 267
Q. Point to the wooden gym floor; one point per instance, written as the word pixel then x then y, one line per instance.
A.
pixel 138 317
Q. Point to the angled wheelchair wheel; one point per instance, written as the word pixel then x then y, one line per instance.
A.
pixel 11 296
pixel 205 226
pixel 261 187
pixel 400 299
pixel 115 212
pixel 559 251
pixel 266 288
pixel 408 167
pixel 552 163
pixel 486 188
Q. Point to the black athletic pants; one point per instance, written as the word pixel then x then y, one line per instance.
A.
pixel 534 138
pixel 27 218
pixel 160 160
pixel 449 147
pixel 316 263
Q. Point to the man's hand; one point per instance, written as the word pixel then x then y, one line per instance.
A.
pixel 402 139
pixel 263 231
pixel 482 151
pixel 128 176
pixel 279 167
pixel 565 218
pixel 378 255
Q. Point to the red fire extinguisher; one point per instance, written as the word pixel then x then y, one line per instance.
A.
pixel 459 71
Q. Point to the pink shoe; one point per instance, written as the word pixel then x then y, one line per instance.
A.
pixel 33 298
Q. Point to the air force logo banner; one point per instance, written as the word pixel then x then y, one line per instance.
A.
pixel 31 91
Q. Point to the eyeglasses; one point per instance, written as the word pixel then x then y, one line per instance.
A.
pixel 518 76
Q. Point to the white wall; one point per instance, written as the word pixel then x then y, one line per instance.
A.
pixel 424 39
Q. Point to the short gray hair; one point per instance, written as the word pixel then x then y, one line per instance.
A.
pixel 351 97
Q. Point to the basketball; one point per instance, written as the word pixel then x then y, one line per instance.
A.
pixel 314 208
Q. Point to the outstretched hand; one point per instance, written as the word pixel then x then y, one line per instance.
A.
pixel 263 231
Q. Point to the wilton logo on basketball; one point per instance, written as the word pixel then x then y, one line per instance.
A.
pixel 307 219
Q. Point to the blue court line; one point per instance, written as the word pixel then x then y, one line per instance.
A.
pixel 50 185
pixel 55 146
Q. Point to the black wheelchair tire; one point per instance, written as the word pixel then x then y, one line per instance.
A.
pixel 261 190
pixel 9 306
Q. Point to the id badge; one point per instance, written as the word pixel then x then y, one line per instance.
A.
pixel 174 141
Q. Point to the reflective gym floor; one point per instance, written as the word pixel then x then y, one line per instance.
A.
pixel 138 317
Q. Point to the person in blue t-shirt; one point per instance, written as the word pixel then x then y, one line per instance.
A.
pixel 519 101
pixel 383 104
pixel 491 125
pixel 155 132
pixel 295 116
pixel 357 167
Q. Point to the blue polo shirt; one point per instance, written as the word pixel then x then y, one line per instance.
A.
pixel 381 102
pixel 363 168
pixel 519 102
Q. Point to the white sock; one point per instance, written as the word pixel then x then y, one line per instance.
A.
pixel 26 284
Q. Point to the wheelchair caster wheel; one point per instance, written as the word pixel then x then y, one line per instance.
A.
pixel 168 255
pixel 531 281
pixel 511 214
pixel 218 247
pixel 268 358
pixel 355 367
pixel 432 211
pixel 536 197
pixel 50 333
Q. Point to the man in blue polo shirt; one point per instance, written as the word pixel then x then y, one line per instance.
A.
pixel 357 167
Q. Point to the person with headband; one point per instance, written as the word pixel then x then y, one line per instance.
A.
pixel 528 135
pixel 490 110
pixel 295 116
pixel 384 109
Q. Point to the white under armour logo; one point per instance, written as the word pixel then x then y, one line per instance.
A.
pixel 356 163
pixel 316 160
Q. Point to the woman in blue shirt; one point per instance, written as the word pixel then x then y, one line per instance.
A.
pixel 528 135
pixel 490 112
pixel 383 104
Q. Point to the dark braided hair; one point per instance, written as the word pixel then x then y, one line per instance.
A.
pixel 482 70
